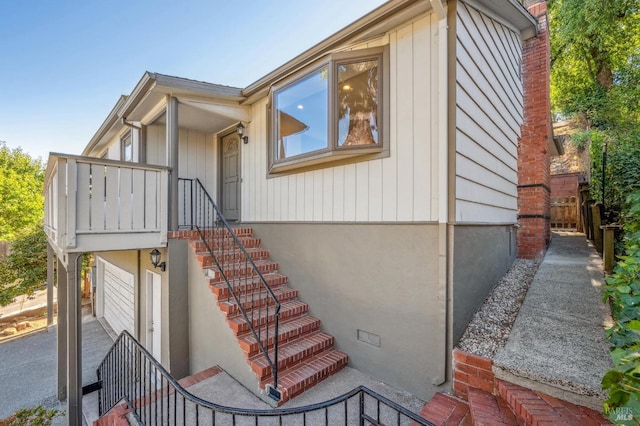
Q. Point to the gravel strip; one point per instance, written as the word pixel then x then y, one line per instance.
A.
pixel 490 327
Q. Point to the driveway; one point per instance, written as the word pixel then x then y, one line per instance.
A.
pixel 28 366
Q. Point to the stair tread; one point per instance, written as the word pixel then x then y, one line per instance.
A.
pixel 288 330
pixel 486 409
pixel 529 405
pixel 315 369
pixel 255 299
pixel 292 352
pixel 288 309
pixel 445 410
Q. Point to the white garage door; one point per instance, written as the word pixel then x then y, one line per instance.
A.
pixel 118 297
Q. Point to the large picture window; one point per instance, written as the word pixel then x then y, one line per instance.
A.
pixel 330 112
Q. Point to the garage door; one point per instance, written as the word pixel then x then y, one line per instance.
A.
pixel 118 297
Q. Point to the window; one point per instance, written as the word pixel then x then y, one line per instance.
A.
pixel 332 111
pixel 127 147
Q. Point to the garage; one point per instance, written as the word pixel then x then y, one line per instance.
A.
pixel 115 298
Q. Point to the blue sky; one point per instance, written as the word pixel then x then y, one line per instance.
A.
pixel 65 63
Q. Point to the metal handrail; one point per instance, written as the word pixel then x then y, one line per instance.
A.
pixel 213 227
pixel 129 372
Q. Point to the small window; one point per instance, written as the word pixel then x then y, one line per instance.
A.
pixel 127 147
pixel 333 111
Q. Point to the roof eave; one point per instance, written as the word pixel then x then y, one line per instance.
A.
pixel 107 124
pixel 348 33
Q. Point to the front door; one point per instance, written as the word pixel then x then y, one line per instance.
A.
pixel 154 314
pixel 231 177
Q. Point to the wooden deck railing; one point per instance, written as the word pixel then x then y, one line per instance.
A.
pixel 93 204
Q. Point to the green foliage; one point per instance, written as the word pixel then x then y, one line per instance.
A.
pixel 581 139
pixel 35 416
pixel 595 60
pixel 25 269
pixel 622 171
pixel 21 187
pixel 623 292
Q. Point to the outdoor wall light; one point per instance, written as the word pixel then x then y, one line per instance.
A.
pixel 155 260
pixel 240 132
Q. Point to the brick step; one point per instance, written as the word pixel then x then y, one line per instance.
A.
pixel 260 317
pixel 487 409
pixel 291 353
pixel 532 408
pixel 304 376
pixel 446 410
pixel 231 256
pixel 244 284
pixel 287 331
pixel 238 270
pixel 257 299
pixel 227 243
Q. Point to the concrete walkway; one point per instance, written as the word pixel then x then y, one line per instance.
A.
pixel 557 344
pixel 29 364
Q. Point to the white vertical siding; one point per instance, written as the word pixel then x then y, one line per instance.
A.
pixel 397 188
pixel 488 118
pixel 197 156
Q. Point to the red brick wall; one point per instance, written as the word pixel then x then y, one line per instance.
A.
pixel 471 371
pixel 534 186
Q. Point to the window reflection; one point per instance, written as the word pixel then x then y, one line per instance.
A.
pixel 358 89
pixel 302 116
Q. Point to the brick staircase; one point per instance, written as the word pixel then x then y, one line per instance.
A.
pixel 306 355
pixel 482 399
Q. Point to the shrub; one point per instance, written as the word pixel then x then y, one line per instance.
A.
pixel 623 293
pixel 35 416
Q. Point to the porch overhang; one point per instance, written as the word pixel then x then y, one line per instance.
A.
pixel 206 107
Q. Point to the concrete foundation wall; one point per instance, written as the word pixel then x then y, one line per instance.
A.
pixel 375 289
pixel 482 254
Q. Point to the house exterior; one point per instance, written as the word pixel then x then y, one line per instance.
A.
pixel 379 168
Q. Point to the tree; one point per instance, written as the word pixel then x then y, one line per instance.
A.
pixel 21 187
pixel 595 61
pixel 24 270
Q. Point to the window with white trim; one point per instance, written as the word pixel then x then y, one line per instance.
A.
pixel 334 110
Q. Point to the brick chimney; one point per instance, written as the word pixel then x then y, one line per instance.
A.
pixel 534 187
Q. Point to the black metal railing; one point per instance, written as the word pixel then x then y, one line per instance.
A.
pixel 246 286
pixel 129 373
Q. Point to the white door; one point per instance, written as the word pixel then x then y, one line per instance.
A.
pixel 154 314
pixel 115 296
pixel 231 177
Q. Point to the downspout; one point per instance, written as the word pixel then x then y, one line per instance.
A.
pixel 442 122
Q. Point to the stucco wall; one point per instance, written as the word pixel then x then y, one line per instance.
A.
pixel 482 254
pixel 378 278
pixel 211 341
